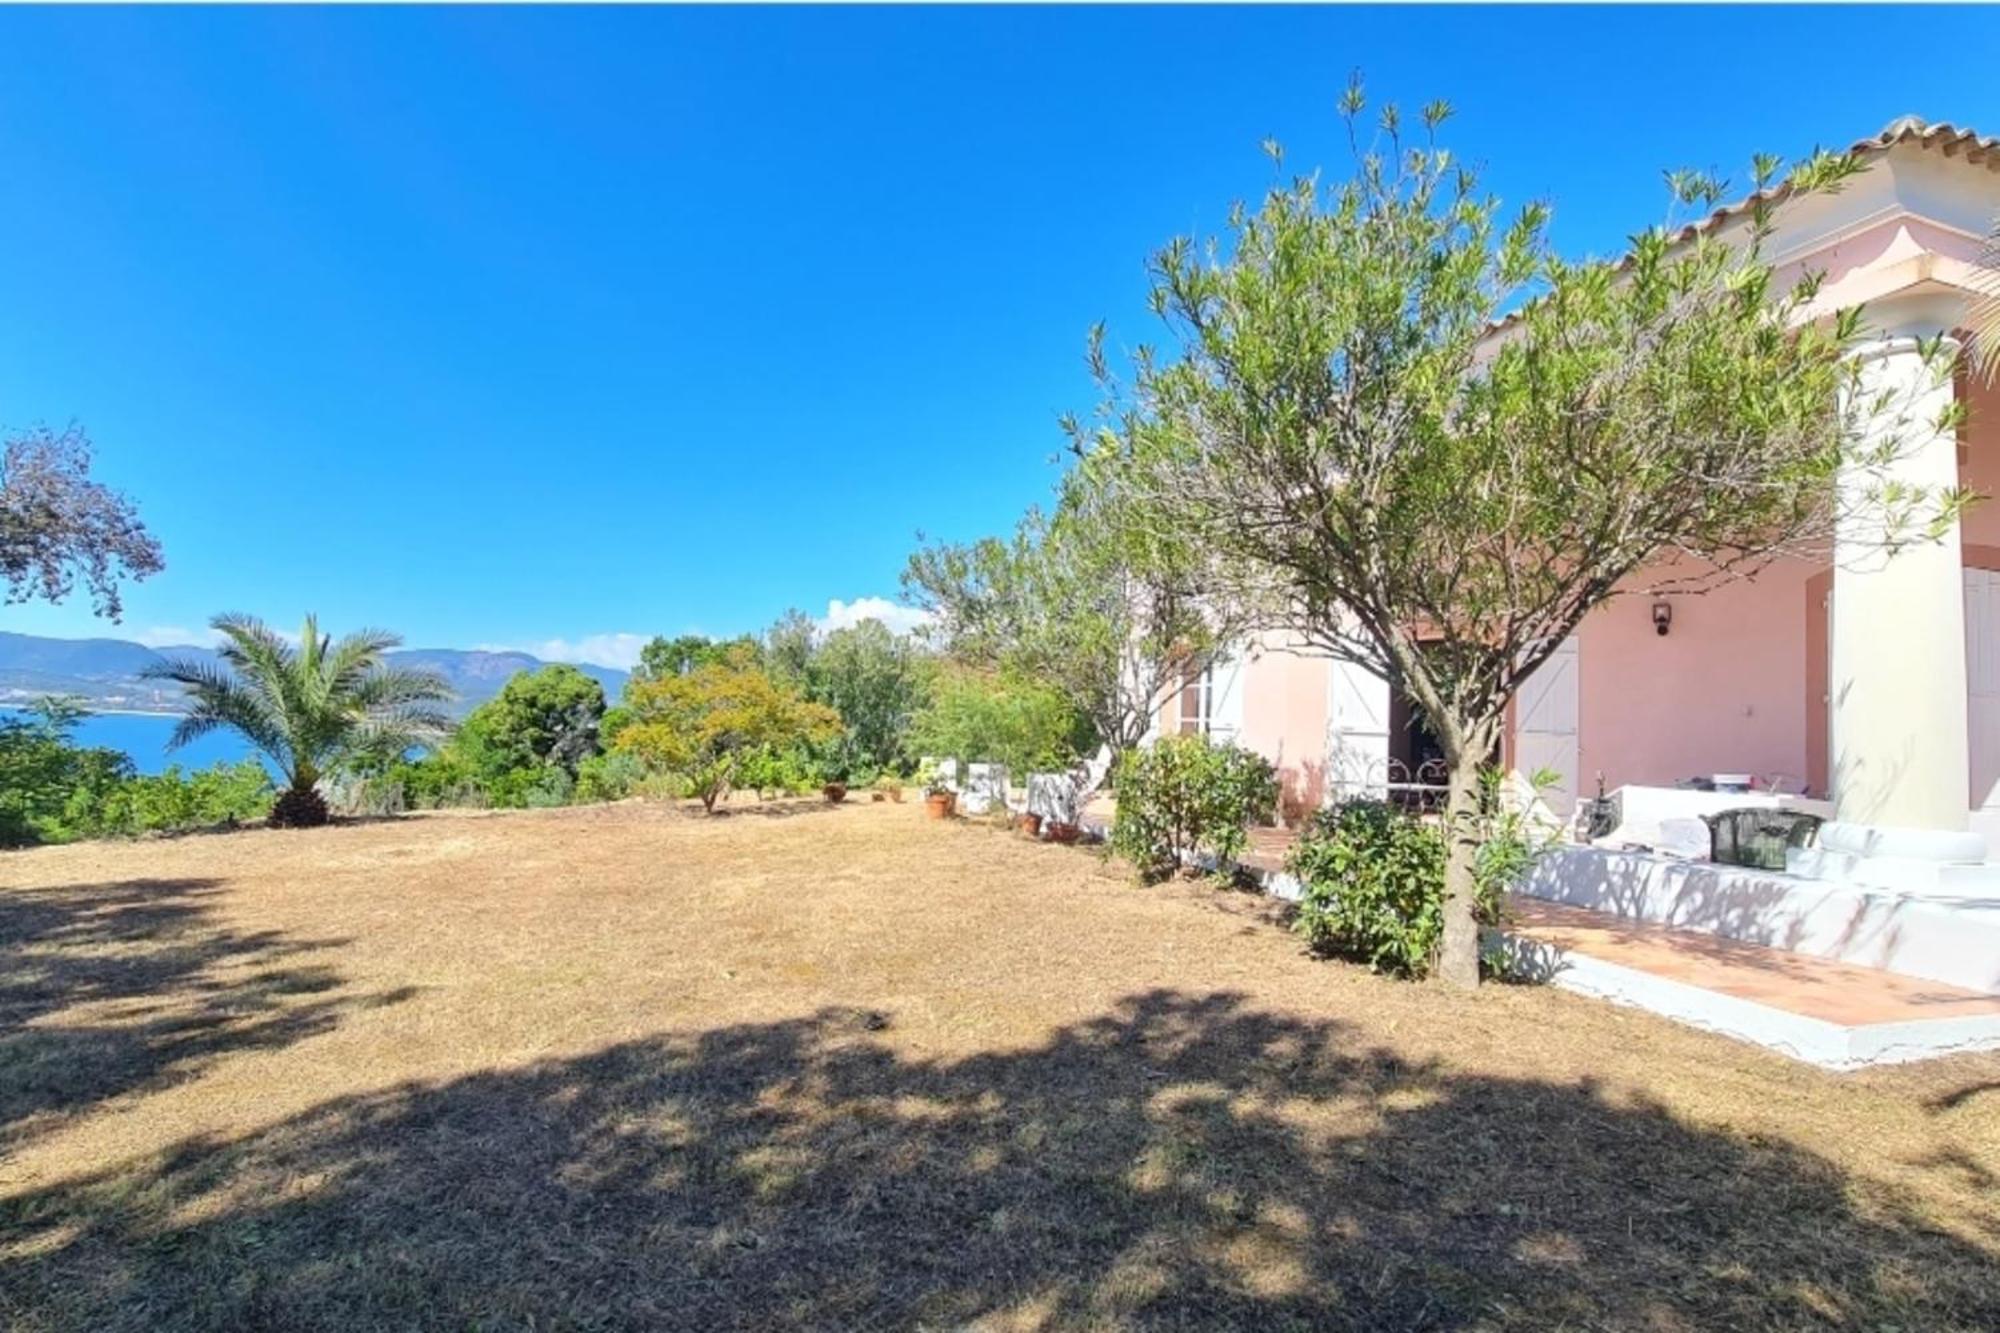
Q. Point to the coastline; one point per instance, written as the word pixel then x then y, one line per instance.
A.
pixel 93 711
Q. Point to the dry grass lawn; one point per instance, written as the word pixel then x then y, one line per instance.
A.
pixel 624 1068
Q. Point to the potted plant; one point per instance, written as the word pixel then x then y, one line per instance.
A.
pixel 834 775
pixel 939 799
pixel 890 786
pixel 1062 833
pixel 1029 825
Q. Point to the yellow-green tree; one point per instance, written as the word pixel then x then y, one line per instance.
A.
pixel 702 723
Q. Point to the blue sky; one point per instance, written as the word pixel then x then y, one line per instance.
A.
pixel 561 328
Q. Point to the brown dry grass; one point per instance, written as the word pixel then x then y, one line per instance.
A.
pixel 623 1068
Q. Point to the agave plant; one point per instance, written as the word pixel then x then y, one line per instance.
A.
pixel 307 707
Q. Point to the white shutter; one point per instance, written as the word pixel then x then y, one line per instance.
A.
pixel 1545 727
pixel 1224 715
pixel 1982 685
pixel 1357 741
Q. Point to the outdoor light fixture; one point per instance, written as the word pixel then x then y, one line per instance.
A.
pixel 1663 618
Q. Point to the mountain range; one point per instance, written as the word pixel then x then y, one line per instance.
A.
pixel 108 673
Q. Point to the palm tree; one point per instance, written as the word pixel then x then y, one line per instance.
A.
pixel 308 706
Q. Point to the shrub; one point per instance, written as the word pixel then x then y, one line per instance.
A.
pixel 172 802
pixel 771 772
pixel 1373 881
pixel 439 779
pixel 1185 796
pixel 54 791
pixel 608 777
pixel 986 717
pixel 42 773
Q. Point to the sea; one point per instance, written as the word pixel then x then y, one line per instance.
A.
pixel 144 737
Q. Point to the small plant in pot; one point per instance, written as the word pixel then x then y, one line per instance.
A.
pixel 1062 833
pixel 1030 825
pixel 939 799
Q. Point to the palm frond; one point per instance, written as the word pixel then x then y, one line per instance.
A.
pixel 401 728
pixel 391 687
pixel 262 660
pixel 310 705
pixel 1983 310
pixel 357 654
pixel 218 698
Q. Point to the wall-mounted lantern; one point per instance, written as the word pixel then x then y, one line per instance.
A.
pixel 1663 618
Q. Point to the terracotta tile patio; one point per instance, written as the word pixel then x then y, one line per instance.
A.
pixel 1796 983
pixel 1810 987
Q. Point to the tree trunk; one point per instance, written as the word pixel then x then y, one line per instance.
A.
pixel 1458 955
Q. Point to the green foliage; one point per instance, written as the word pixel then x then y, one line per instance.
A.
pixel 310 708
pixel 54 791
pixel 984 716
pixel 540 719
pixel 1373 880
pixel 608 777
pixel 788 648
pixel 773 771
pixel 526 746
pixel 220 796
pixel 876 681
pixel 703 724
pixel 41 773
pixel 1088 600
pixel 1184 797
pixel 1337 430
pixel 615 720
pixel 663 657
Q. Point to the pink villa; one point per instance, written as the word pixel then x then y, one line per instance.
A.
pixel 1868 694
pixel 1740 680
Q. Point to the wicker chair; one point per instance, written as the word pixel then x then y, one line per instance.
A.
pixel 1758 837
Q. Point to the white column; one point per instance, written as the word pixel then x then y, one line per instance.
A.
pixel 1897 656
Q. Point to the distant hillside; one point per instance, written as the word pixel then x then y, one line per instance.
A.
pixel 106 672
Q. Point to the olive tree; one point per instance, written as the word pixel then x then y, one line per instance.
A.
pixel 1087 600
pixel 1430 446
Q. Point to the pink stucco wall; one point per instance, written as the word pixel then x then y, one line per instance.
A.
pixel 1722 692
pixel 1284 718
pixel 1730 688
pixel 1979 461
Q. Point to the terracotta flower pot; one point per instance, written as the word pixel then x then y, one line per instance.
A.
pixel 1029 825
pixel 938 805
pixel 1063 833
pixel 835 792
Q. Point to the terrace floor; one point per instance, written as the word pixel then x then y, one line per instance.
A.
pixel 1833 1013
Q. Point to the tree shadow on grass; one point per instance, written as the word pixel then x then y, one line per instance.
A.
pixel 107 989
pixel 1180 1162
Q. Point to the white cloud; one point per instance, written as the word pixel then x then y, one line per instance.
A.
pixel 619 650
pixel 177 636
pixel 900 619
